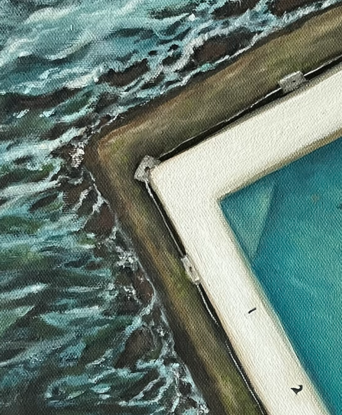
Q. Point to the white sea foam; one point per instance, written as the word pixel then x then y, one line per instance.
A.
pixel 22 292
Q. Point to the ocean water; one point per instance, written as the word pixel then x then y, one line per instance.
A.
pixel 82 330
pixel 289 225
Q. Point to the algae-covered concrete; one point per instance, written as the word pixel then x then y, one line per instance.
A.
pixel 157 128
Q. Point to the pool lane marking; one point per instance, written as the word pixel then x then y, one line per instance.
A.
pixel 297 390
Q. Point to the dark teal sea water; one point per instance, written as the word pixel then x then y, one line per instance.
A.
pixel 289 224
pixel 82 330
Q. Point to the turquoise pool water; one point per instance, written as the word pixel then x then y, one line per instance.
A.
pixel 289 225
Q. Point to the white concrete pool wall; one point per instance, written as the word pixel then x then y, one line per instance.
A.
pixel 190 186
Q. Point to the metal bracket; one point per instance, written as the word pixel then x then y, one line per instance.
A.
pixel 190 270
pixel 292 82
pixel 142 173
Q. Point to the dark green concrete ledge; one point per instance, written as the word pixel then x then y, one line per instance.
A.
pixel 157 128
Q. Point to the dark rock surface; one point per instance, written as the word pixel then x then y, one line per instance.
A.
pixel 127 76
pixel 217 47
pixel 44 201
pixel 65 151
pixel 173 47
pixel 234 8
pixel 88 202
pixel 105 100
pixel 138 344
pixel 14 102
pixel 72 192
pixel 154 81
pixel 127 305
pixel 23 160
pixel 170 11
pixel 101 223
pixel 56 131
pixel 144 289
pixel 60 128
pixel 279 7
pixel 105 119
pixel 171 59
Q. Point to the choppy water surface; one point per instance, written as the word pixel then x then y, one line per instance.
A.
pixel 82 330
pixel 289 224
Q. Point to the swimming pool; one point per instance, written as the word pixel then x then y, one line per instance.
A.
pixel 289 226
